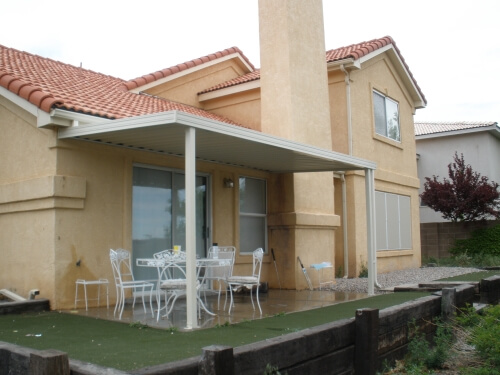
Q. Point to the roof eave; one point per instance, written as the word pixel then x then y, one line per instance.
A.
pixel 492 129
pixel 241 61
pixel 418 100
pixel 347 63
pixel 231 90
pixel 216 143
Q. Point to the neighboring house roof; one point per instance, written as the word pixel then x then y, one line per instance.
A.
pixel 434 129
pixel 50 84
pixel 354 51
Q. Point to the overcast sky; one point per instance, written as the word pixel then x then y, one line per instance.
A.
pixel 451 46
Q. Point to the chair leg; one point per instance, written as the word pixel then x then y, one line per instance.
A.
pixel 117 300
pixel 122 303
pixel 158 301
pixel 258 303
pixel 85 293
pixel 218 297
pixel 76 295
pixel 151 302
pixel 225 299
pixel 251 298
pixel 231 301
pixel 143 303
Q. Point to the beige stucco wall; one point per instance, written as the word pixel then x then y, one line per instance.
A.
pixel 26 228
pixel 241 107
pixel 183 86
pixel 396 161
pixel 69 202
pixel 58 224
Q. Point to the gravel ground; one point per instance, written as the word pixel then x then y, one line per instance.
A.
pixel 392 279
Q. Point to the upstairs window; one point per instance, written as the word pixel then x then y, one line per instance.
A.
pixel 386 116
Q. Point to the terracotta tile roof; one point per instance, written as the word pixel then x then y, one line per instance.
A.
pixel 137 82
pixel 252 76
pixel 357 51
pixel 354 51
pixel 51 84
pixel 424 128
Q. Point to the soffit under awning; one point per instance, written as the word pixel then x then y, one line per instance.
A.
pixel 215 142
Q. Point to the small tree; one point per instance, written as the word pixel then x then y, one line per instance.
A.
pixel 466 196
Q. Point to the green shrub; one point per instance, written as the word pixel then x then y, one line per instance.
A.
pixel 271 370
pixel 424 356
pixel 482 241
pixel 363 272
pixel 485 336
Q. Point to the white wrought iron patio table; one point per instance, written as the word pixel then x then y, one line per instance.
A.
pixel 202 264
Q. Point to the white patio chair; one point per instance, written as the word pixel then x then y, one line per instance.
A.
pixel 171 287
pixel 171 279
pixel 124 279
pixel 235 282
pixel 220 273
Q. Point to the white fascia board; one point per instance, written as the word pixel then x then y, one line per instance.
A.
pixel 491 129
pixel 400 66
pixel 348 63
pixel 495 130
pixel 20 102
pixel 201 123
pixel 135 122
pixel 184 72
pixel 241 87
pixel 252 135
pixel 65 119
pixel 56 117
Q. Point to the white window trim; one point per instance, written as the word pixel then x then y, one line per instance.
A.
pixel 386 98
pixel 399 220
pixel 253 214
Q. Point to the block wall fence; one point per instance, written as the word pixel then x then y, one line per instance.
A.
pixel 436 239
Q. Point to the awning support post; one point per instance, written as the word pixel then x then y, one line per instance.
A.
pixel 370 226
pixel 190 184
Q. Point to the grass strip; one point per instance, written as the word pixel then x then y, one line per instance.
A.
pixel 474 276
pixel 129 347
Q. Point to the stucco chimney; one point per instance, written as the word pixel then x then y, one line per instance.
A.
pixel 295 105
pixel 294 82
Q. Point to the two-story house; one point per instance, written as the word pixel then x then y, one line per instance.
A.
pixel 312 155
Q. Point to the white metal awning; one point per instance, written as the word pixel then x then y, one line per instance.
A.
pixel 198 138
pixel 215 142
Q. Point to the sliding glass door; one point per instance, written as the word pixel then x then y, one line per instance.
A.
pixel 159 214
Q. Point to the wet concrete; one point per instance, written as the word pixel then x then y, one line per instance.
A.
pixel 273 302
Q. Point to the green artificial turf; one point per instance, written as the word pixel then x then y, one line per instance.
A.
pixel 128 347
pixel 475 276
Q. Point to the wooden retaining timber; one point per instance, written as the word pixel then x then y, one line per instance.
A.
pixel 358 345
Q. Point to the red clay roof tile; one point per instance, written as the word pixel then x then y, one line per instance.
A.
pixel 252 76
pixel 48 83
pixel 140 81
pixel 354 51
pixel 51 84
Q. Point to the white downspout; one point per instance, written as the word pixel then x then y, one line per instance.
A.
pixel 347 80
pixel 371 233
pixel 342 176
pixel 344 225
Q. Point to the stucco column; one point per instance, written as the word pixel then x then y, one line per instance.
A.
pixel 295 105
